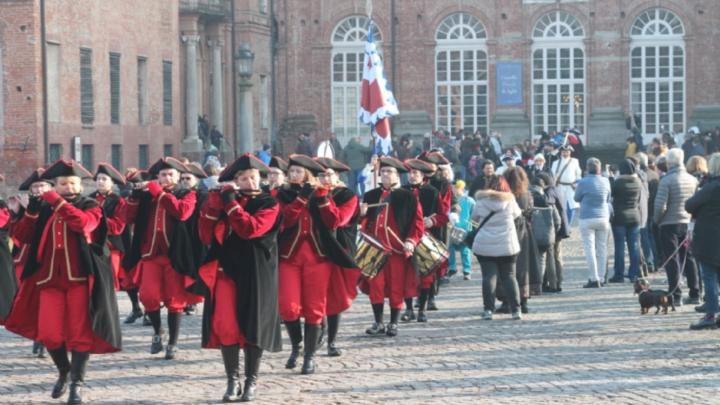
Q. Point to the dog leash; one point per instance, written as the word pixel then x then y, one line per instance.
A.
pixel 684 243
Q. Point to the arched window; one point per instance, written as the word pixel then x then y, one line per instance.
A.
pixel 348 50
pixel 461 74
pixel 558 73
pixel 657 72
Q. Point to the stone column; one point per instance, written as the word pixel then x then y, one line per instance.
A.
pixel 191 142
pixel 217 88
pixel 244 140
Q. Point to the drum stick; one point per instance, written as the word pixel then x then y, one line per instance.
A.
pixel 377 205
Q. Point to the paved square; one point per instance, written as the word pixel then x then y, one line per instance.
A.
pixel 580 346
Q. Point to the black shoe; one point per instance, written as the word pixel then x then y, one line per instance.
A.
pixel 294 330
pixel 36 347
pixel 60 358
pixel 333 351
pixel 431 304
pixel 691 301
pixel 408 315
pixel 171 352
pixel 157 345
pixel 231 361
pixel 190 309
pixel 700 308
pixel 133 316
pixel 592 284
pixel 392 329
pixel 77 376
pixel 524 308
pixel 705 323
pixel 421 317
pixel 311 339
pixel 376 329
pixel 503 309
pixel 253 354
pixel 41 352
pixel 75 396
pixel 617 280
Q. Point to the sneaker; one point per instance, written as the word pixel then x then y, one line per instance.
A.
pixel 467 276
pixel 376 329
pixel 592 284
pixel 392 329
pixel 157 345
pixel 691 301
pixel 706 322
pixel 487 315
pixel 407 316
pixel 517 316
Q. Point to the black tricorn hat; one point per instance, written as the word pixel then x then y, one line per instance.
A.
pixel 109 170
pixel 65 168
pixel 567 146
pixel 330 163
pixel 139 176
pixel 387 161
pixel 434 157
pixel 195 169
pixel 244 162
pixel 306 162
pixel 167 163
pixel 34 178
pixel 417 164
pixel 279 163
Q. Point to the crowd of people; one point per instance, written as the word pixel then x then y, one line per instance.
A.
pixel 266 241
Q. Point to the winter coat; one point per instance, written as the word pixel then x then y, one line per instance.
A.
pixel 626 192
pixel 674 190
pixel 704 206
pixel 357 155
pixel 498 237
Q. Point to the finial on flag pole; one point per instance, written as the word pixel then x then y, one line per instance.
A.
pixel 368 7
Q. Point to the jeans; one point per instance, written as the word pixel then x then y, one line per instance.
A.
pixel 505 268
pixel 570 212
pixel 594 232
pixel 710 281
pixel 631 234
pixel 647 240
pixel 670 238
pixel 465 254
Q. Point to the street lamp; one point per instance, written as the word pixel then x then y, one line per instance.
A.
pixel 244 58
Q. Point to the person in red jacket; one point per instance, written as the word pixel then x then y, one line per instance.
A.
pixel 61 274
pixel 276 177
pixel 307 254
pixel 342 288
pixel 240 223
pixel 113 207
pixel 162 254
pixel 429 199
pixel 394 218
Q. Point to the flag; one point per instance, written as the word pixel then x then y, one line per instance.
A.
pixel 377 103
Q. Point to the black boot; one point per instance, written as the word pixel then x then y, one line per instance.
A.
pixel 60 358
pixel 253 354
pixel 41 352
pixel 424 294
pixel 311 339
pixel 77 376
pixel 333 326
pixel 136 313
pixel 231 360
pixel 377 327
pixel 409 314
pixel 393 326
pixel 295 334
pixel 174 330
pixel 321 338
pixel 157 345
pixel 431 306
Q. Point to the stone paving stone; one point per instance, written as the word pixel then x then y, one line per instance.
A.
pixel 578 347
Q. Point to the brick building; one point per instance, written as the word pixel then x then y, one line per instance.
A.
pixel 518 66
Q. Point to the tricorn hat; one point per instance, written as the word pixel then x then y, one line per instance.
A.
pixel 244 162
pixel 167 163
pixel 434 158
pixel 34 178
pixel 110 171
pixel 195 169
pixel 567 146
pixel 417 164
pixel 139 176
pixel 65 168
pixel 387 161
pixel 279 163
pixel 330 163
pixel 306 162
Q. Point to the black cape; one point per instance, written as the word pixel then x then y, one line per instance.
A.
pixel 8 284
pixel 109 207
pixel 337 251
pixel 253 266
pixel 429 198
pixel 403 204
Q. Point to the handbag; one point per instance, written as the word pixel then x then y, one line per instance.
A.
pixel 470 237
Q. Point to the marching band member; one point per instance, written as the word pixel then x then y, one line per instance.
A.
pixel 342 288
pixel 429 199
pixel 130 277
pixel 393 216
pixel 61 274
pixel 307 256
pixel 190 180
pixel 8 282
pixel 113 209
pixel 276 176
pixel 241 223
pixel 160 248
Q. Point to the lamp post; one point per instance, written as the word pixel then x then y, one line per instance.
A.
pixel 244 58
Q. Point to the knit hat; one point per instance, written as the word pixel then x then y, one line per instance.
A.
pixel 460 185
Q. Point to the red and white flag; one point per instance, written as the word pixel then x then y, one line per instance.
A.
pixel 377 103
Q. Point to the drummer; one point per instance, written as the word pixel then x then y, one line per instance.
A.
pixel 429 198
pixel 392 216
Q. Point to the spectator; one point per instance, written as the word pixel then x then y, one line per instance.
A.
pixel 697 166
pixel 304 146
pixel 651 236
pixel 496 142
pixel 368 180
pixel 216 137
pixel 546 223
pixel 593 194
pixel 669 213
pixel 508 161
pixel 488 180
pixel 538 166
pixel 704 206
pixel 567 173
pixel 460 218
pixel 631 147
pixel 264 154
pixel 626 193
pixel 357 156
pixel 212 168
pixel 496 247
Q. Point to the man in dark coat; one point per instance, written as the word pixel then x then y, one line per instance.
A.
pixel 8 284
pixel 67 298
pixel 241 223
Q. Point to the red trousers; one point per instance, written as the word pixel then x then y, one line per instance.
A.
pixel 160 283
pixel 342 289
pixel 303 285
pixel 391 281
pixel 115 258
pixel 225 328
pixel 64 318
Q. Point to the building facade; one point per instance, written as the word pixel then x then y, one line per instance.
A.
pixel 517 66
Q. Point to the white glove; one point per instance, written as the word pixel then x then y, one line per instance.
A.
pixel 428 222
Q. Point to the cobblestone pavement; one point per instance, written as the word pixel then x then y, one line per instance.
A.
pixel 580 346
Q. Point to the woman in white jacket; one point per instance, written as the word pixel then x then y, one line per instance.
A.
pixel 496 247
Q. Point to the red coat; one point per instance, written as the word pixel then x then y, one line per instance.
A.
pixel 116 222
pixel 342 288
pixel 163 207
pixel 237 220
pixel 385 230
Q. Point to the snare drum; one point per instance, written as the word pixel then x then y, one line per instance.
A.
pixel 371 256
pixel 429 254
pixel 457 235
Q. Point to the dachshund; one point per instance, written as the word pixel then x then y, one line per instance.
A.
pixel 652 298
